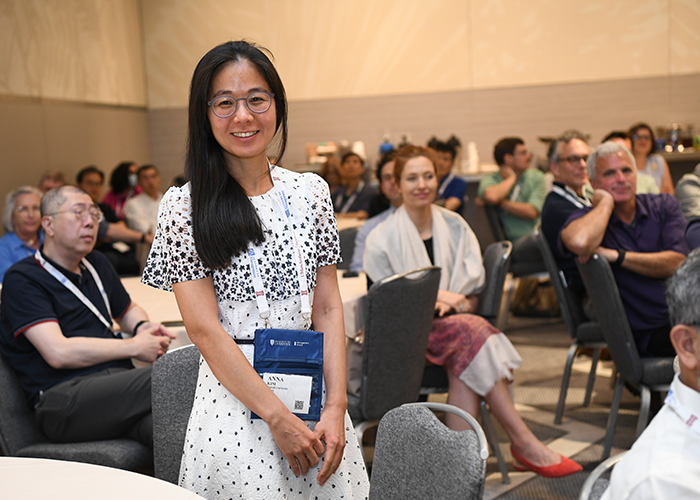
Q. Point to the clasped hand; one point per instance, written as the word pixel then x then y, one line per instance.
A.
pixel 302 447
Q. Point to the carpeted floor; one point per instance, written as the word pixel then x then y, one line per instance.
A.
pixel 543 345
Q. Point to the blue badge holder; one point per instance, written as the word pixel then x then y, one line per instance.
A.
pixel 292 352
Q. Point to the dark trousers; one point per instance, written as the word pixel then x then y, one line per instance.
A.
pixel 105 405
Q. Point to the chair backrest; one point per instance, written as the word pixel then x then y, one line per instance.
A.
pixel 347 246
pixel 400 314
pixel 173 384
pixel 496 224
pixel 417 456
pixel 496 264
pixel 595 485
pixel 571 308
pixel 476 216
pixel 611 316
pixel 17 428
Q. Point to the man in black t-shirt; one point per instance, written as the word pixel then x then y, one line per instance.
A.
pixel 55 331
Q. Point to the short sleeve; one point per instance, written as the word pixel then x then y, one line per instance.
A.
pixel 325 227
pixel 488 181
pixel 674 226
pixel 173 257
pixel 537 190
pixel 24 302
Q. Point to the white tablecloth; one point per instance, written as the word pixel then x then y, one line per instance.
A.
pixel 162 307
pixel 41 479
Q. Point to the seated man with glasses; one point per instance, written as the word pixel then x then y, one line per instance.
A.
pixel 56 317
pixel 567 162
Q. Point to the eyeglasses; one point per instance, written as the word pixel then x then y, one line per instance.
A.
pixel 641 137
pixel 225 106
pixel 82 211
pixel 28 210
pixel 575 159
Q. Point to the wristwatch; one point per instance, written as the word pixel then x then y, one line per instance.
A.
pixel 621 252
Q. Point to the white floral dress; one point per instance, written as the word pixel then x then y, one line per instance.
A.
pixel 228 455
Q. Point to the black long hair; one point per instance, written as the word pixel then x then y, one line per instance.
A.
pixel 224 220
pixel 119 180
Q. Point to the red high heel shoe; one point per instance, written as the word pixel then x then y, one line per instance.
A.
pixel 564 468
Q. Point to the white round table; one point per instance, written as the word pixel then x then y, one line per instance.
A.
pixel 42 479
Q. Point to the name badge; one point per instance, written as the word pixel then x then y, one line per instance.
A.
pixel 293 390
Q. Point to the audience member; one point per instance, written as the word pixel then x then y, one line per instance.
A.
pixel 354 197
pixel 388 187
pixel 567 162
pixel 91 180
pixel 55 331
pixel 51 179
pixel 516 189
pixel 21 219
pixel 141 211
pixel 123 183
pixel 330 171
pixel 478 358
pixel 646 184
pixel 451 189
pixel 664 462
pixel 114 240
pixel 688 193
pixel 642 236
pixel 643 148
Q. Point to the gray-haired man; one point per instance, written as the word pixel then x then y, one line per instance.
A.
pixel 665 461
pixel 642 236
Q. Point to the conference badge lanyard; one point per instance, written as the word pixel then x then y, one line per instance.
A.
pixel 444 185
pixel 348 203
pixel 571 196
pixel 290 362
pixel 75 290
pixel 260 295
pixel 688 417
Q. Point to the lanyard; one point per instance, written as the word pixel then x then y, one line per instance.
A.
pixel 516 191
pixel 74 289
pixel 570 195
pixel 444 185
pixel 348 203
pixel 260 295
pixel 688 417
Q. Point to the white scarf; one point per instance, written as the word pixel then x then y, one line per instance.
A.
pixel 395 246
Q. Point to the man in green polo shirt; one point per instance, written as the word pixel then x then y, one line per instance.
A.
pixel 516 189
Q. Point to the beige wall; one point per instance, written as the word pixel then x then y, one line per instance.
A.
pixel 97 81
pixel 76 50
pixel 331 49
pixel 72 87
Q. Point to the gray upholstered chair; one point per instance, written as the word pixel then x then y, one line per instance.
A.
pixel 595 484
pixel 173 382
pixel 347 246
pixel 19 436
pixel 398 321
pixel 496 262
pixel 649 374
pixel 584 333
pixel 416 456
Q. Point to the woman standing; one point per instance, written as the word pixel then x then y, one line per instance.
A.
pixel 648 162
pixel 479 359
pixel 235 203
pixel 21 218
